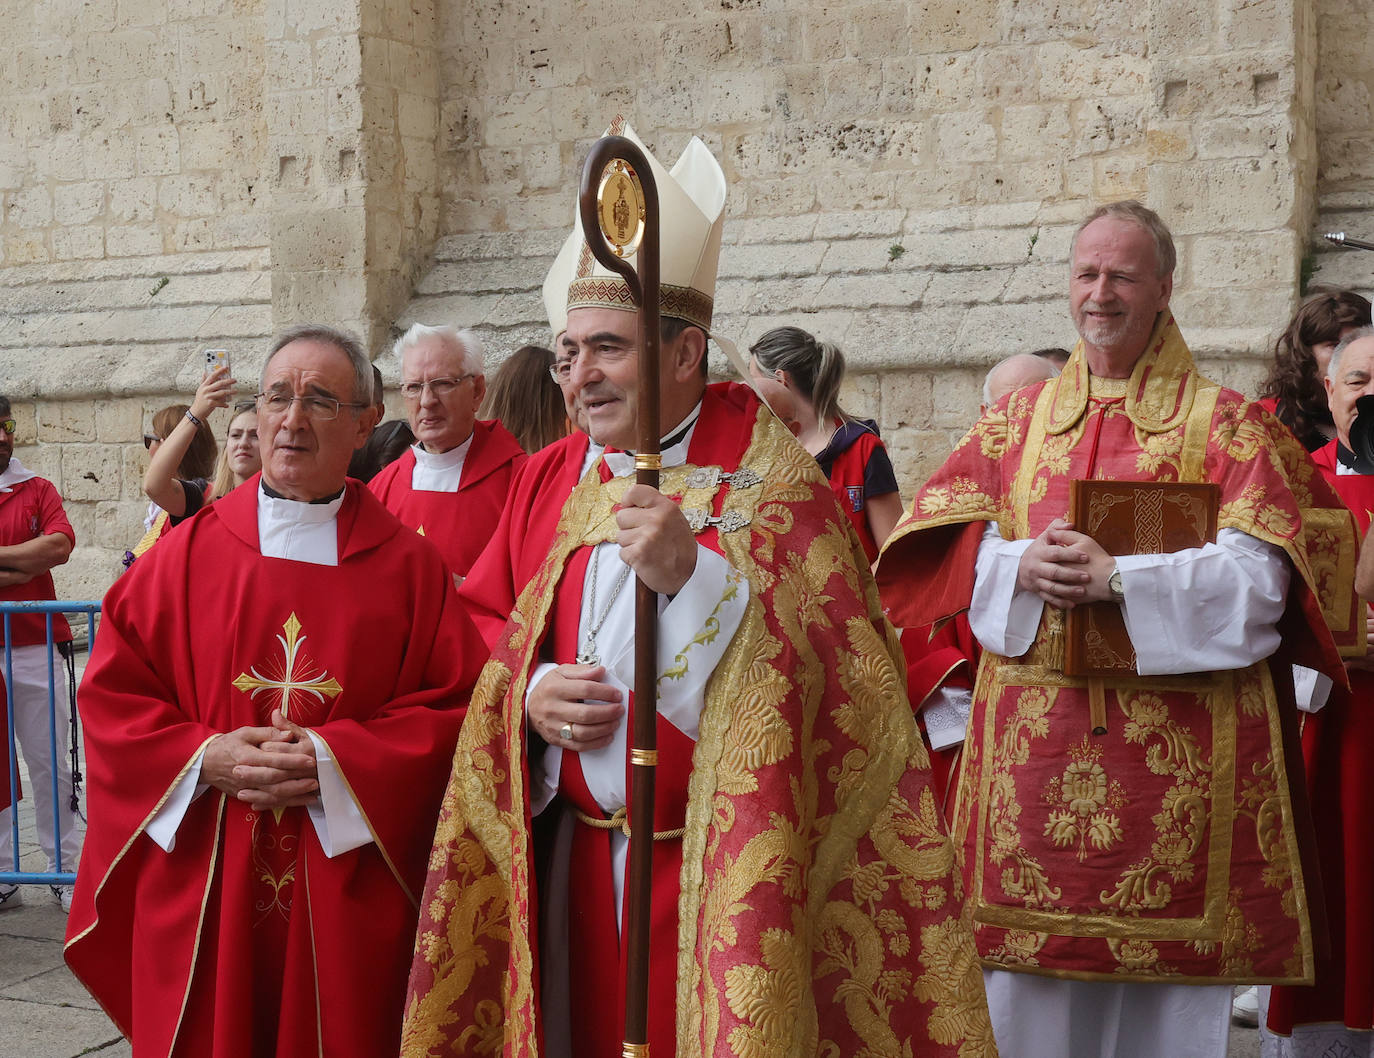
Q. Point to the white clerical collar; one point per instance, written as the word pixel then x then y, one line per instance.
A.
pixel 594 452
pixel 674 453
pixel 439 471
pixel 14 474
pixel 297 530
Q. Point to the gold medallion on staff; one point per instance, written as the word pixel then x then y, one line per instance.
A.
pixel 620 208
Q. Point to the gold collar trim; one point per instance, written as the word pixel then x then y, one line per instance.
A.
pixel 1159 394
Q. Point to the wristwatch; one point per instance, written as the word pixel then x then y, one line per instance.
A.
pixel 1114 586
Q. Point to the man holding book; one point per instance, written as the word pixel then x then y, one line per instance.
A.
pixel 1129 837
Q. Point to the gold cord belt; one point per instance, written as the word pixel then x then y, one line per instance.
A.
pixel 621 821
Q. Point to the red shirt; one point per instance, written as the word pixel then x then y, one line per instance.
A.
pixel 29 510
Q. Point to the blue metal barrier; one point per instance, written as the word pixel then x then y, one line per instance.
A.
pixel 59 876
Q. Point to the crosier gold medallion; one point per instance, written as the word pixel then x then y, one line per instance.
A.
pixel 620 208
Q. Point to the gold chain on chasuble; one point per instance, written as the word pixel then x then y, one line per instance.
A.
pixel 293 683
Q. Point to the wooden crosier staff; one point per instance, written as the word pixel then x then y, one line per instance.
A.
pixel 619 208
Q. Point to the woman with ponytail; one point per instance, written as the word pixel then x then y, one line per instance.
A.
pixel 849 450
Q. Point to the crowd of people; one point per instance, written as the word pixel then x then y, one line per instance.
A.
pixel 358 713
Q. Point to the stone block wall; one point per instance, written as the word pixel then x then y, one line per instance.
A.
pixel 904 179
pixel 130 128
pixel 1345 132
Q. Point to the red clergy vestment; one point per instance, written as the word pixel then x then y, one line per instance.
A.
pixel 809 822
pixel 458 523
pixel 1338 745
pixel 1170 847
pixel 246 939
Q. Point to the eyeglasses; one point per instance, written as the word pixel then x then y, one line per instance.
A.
pixel 150 439
pixel 561 370
pixel 8 426
pixel 318 409
pixel 440 387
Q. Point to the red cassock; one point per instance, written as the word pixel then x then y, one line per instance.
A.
pixel 458 523
pixel 1338 747
pixel 246 939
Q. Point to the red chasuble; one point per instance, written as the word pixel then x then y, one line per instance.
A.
pixel 458 523
pixel 1169 848
pixel 811 898
pixel 246 939
pixel 1338 747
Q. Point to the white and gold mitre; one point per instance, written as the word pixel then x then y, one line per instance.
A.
pixel 691 216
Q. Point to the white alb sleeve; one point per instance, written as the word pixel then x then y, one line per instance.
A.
pixel 338 821
pixel 946 714
pixel 1207 608
pixel 163 826
pixel 1310 689
pixel 1002 616
pixel 695 628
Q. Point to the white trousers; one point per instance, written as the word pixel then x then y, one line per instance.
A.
pixel 31 729
pixel 1042 1017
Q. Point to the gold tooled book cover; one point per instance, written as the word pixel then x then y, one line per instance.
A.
pixel 1130 518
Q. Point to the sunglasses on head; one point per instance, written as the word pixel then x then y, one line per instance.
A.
pixel 149 439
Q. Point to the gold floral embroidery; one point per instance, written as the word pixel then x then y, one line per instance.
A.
pixel 763 997
pixel 1054 462
pixel 962 497
pixel 1023 877
pixel 1138 958
pixel 1250 509
pixel 1019 946
pixel 1157 451
pixel 951 975
pixel 1181 822
pixel 1088 798
pixel 759 734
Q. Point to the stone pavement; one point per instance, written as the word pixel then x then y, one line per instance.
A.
pixel 44 1011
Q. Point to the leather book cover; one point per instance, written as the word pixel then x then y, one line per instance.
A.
pixel 1130 518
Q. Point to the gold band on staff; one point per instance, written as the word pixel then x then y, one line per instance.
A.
pixel 648 461
pixel 634 1050
pixel 645 758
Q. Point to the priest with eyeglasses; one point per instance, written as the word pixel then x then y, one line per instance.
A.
pixel 270 707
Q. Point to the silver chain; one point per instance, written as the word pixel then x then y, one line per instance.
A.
pixel 588 655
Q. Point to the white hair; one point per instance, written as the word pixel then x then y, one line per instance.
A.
pixel 987 379
pixel 462 341
pixel 1333 365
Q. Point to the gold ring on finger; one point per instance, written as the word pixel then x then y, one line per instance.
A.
pixel 566 733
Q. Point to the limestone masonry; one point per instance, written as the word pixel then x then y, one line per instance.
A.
pixel 904 180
